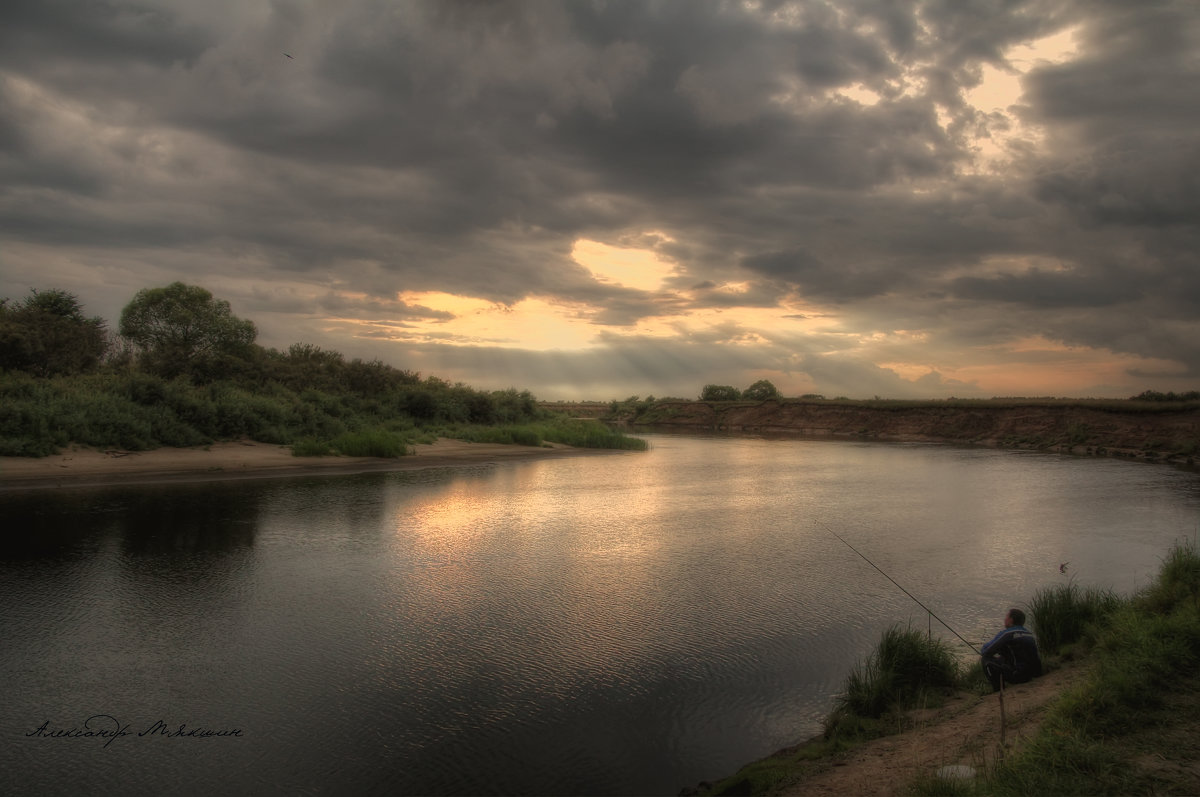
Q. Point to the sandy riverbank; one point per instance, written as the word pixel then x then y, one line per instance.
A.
pixel 244 460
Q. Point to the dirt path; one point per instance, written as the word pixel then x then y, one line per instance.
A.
pixel 966 732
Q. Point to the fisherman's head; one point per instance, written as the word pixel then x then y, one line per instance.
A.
pixel 1014 617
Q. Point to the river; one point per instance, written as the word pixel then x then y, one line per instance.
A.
pixel 629 623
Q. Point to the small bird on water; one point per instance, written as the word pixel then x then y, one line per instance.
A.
pixel 1063 567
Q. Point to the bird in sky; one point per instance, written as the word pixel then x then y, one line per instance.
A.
pixel 289 56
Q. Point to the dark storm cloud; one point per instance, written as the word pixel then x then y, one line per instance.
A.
pixel 816 278
pixel 1040 289
pixel 464 147
pixel 1126 145
pixel 96 32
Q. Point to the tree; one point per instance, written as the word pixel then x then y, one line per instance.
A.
pixel 720 393
pixel 761 390
pixel 46 334
pixel 180 325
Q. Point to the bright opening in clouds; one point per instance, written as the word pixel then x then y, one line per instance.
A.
pixel 593 200
pixel 629 268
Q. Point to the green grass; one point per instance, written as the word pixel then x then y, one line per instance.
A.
pixel 371 443
pixel 505 435
pixel 567 431
pixel 588 434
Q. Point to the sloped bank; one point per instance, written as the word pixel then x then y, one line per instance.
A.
pixel 1137 430
pixel 1116 712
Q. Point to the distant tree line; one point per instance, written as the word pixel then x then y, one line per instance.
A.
pixel 1154 395
pixel 761 390
pixel 183 370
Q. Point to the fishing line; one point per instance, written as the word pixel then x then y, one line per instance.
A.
pixel 897 583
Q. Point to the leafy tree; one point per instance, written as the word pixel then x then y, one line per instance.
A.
pixel 481 408
pixel 310 353
pixel 46 334
pixel 180 325
pixel 720 393
pixel 515 407
pixel 761 390
pixel 369 378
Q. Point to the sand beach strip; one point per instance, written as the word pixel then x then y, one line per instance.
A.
pixel 83 467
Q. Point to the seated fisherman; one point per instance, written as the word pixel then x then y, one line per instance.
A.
pixel 1012 654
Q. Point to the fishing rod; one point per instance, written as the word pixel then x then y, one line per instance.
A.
pixel 897 583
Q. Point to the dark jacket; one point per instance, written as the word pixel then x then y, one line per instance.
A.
pixel 1016 647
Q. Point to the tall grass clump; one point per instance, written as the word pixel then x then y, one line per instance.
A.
pixel 1061 615
pixel 907 668
pixel 503 435
pixel 589 434
pixel 567 431
pixel 311 447
pixel 372 443
pixel 1178 581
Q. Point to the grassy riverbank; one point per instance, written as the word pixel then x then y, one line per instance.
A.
pixel 379 412
pixel 1126 723
pixel 183 371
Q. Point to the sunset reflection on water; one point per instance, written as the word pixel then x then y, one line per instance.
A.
pixel 611 624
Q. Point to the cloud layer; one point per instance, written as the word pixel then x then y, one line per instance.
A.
pixel 596 199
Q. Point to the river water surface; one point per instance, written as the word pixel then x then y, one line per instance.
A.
pixel 627 623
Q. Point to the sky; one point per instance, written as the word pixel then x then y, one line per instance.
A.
pixel 597 199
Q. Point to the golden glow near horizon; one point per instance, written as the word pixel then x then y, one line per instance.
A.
pixel 1031 366
pixel 1035 366
pixel 538 324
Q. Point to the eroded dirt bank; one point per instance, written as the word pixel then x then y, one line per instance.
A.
pixel 1154 435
